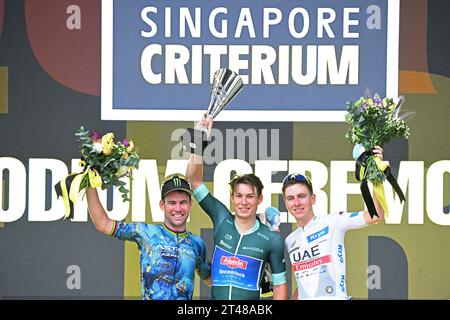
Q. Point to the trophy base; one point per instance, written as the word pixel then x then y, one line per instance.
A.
pixel 194 141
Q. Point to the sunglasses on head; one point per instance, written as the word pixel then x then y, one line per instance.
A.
pixel 296 177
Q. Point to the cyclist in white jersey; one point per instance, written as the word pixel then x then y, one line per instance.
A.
pixel 316 247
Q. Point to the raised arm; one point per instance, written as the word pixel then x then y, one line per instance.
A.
pixel 98 214
pixel 194 171
pixel 380 211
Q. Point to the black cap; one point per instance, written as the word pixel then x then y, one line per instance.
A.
pixel 175 182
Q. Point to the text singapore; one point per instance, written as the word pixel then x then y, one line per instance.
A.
pixel 297 63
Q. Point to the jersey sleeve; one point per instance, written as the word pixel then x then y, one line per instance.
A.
pixel 202 264
pixel 276 260
pixel 344 221
pixel 128 231
pixel 215 209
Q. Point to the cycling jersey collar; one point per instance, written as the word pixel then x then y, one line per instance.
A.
pixel 253 229
pixel 174 232
pixel 309 223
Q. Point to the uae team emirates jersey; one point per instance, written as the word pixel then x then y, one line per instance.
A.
pixel 239 259
pixel 317 255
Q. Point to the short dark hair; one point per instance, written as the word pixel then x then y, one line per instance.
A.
pixel 248 178
pixel 295 178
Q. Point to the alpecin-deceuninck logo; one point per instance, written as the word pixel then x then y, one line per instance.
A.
pixel 234 262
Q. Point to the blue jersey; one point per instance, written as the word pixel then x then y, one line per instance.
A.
pixel 167 259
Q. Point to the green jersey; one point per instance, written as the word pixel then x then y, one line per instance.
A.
pixel 239 259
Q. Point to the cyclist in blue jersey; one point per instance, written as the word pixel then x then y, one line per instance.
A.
pixel 169 255
pixel 316 247
pixel 242 245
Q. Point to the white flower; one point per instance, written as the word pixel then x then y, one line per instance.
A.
pixel 98 147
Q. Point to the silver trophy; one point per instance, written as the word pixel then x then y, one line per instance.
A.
pixel 225 85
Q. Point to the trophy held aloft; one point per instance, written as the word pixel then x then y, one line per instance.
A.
pixel 226 84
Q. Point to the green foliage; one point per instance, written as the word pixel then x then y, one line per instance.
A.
pixel 374 121
pixel 111 159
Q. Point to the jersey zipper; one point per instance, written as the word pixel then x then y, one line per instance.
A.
pixel 176 265
pixel 305 246
pixel 235 253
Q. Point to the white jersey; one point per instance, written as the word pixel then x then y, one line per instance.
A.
pixel 317 255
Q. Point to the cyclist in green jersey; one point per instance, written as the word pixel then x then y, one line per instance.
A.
pixel 242 245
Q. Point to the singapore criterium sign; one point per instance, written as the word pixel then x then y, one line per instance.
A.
pixel 299 61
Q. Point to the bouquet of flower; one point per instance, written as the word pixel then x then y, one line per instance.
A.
pixel 374 121
pixel 104 160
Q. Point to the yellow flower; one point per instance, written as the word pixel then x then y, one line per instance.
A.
pixel 392 107
pixel 107 143
pixel 130 147
pixel 125 155
pixel 94 180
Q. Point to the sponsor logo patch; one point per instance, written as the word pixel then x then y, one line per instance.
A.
pixel 318 234
pixel 233 262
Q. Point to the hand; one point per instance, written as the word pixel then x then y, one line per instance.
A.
pixel 206 122
pixel 378 151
